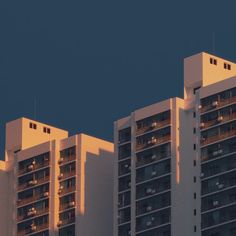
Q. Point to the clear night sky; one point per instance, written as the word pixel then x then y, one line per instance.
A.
pixel 89 63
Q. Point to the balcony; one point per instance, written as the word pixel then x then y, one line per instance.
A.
pixel 67 205
pixel 63 191
pixel 152 126
pixel 153 141
pixel 65 175
pixel 219 120
pixel 33 183
pixel 34 198
pixel 152 220
pixel 33 166
pixel 218 137
pixel 217 104
pixel 32 212
pixel 219 216
pixel 67 221
pixel 32 229
pixel 66 159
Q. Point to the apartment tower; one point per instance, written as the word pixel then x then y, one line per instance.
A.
pixel 175 161
pixel 55 185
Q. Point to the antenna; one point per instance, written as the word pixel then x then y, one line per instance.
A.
pixel 213 43
pixel 35 107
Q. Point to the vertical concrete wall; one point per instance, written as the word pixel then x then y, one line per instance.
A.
pixel 4 199
pixel 96 193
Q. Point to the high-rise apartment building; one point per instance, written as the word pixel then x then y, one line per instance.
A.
pixel 55 185
pixel 175 165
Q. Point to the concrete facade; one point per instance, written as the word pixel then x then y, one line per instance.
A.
pixel 55 185
pixel 199 192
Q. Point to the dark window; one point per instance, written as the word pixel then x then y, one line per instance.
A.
pixel 194 130
pixel 194 162
pixel 194 179
pixel 124 135
pixel 194 146
pixel 46 130
pixel 32 125
pixel 227 66
pixel 195 228
pixel 195 212
pixel 213 61
pixel 194 195
pixel 194 114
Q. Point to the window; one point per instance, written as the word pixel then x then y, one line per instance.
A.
pixel 194 146
pixel 213 61
pixel 227 66
pixel 32 125
pixel 194 195
pixel 195 212
pixel 194 130
pixel 194 179
pixel 194 163
pixel 195 228
pixel 125 135
pixel 194 114
pixel 46 130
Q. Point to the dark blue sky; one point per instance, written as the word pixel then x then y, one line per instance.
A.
pixel 89 63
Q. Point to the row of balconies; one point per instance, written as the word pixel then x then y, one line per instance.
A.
pixel 207 124
pixel 152 126
pixel 153 141
pixel 218 137
pixel 220 216
pixel 222 182
pixel 33 166
pixel 153 220
pixel 32 212
pixel 32 229
pixel 21 202
pixel 217 104
pixel 212 155
pixel 32 183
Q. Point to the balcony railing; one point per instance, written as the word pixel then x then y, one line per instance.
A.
pixel 63 160
pixel 33 183
pixel 63 191
pixel 65 175
pixel 218 121
pixel 218 137
pixel 153 142
pixel 32 229
pixel 218 104
pixel 154 125
pixel 67 205
pixel 64 222
pixel 37 197
pixel 33 167
pixel 33 213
